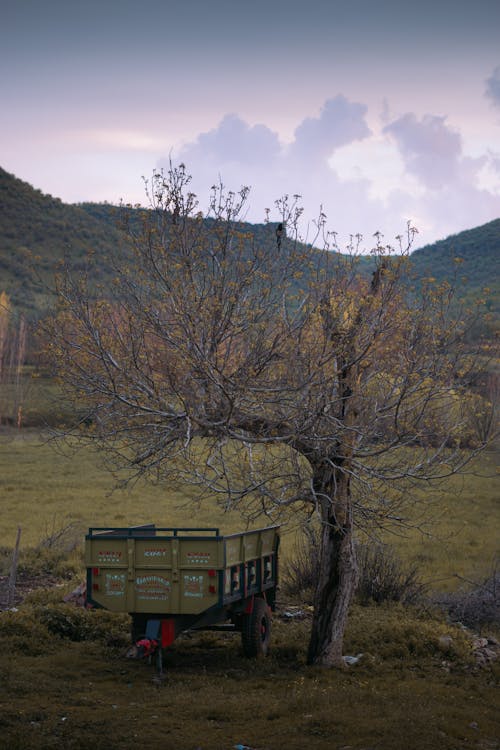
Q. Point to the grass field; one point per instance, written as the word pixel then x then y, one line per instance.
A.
pixel 65 684
pixel 44 488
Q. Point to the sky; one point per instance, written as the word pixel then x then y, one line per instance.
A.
pixel 375 114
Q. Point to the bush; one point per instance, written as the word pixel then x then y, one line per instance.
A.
pixel 384 577
pixel 77 624
pixel 37 562
pixel 300 571
pixel 21 632
pixel 476 605
pixel 57 554
pixel 38 625
pixel 403 634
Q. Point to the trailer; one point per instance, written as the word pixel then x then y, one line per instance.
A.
pixel 171 580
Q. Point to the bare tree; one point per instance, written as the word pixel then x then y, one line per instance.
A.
pixel 13 338
pixel 268 373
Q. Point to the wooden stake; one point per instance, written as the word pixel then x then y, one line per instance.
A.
pixel 11 591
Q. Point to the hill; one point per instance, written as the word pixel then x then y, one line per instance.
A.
pixel 37 230
pixel 471 257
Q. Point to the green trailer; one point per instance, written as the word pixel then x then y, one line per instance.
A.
pixel 175 579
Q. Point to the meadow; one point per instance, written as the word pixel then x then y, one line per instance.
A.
pixel 64 682
pixel 46 486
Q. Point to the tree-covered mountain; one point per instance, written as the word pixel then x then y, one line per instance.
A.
pixel 37 231
pixel 471 259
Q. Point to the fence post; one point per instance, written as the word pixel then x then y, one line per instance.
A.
pixel 11 590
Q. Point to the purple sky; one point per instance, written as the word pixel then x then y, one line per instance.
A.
pixel 380 112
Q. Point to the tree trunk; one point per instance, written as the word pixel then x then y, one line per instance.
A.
pixel 338 571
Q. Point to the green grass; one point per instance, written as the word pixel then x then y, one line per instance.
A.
pixel 460 536
pixel 44 488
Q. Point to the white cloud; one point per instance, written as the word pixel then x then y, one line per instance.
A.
pixel 377 161
pixel 340 122
pixel 116 140
pixel 412 169
pixel 431 150
pixel 234 140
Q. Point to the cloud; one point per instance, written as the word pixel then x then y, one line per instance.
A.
pixel 233 140
pixel 254 155
pixel 430 149
pixel 410 169
pixel 493 87
pixel 340 122
pixel 494 160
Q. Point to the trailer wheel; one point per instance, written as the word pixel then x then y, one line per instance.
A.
pixel 256 630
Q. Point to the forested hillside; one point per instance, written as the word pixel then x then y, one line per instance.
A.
pixel 37 230
pixel 471 257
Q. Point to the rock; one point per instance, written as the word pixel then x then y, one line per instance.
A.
pixel 350 660
pixel 298 615
pixel 445 643
pixel 479 643
pixel 485 650
pixel 78 596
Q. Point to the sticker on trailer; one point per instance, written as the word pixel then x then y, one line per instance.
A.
pixel 109 556
pixel 152 588
pixel 198 558
pixel 193 587
pixel 114 584
pixel 156 552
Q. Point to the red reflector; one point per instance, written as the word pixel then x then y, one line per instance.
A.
pixel 167 633
pixel 95 587
pixel 212 573
pixel 95 571
pixel 212 589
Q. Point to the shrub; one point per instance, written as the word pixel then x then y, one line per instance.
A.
pixel 49 562
pixel 477 605
pixel 400 633
pixel 21 632
pixel 78 624
pixel 57 554
pixel 384 577
pixel 301 569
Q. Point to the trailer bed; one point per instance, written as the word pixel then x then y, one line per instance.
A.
pixel 178 571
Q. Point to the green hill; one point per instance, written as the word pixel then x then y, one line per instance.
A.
pixel 471 259
pixel 37 230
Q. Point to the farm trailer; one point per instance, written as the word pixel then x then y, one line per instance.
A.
pixel 175 579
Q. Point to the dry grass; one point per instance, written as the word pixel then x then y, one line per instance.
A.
pixel 75 689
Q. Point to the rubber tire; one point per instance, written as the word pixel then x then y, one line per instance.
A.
pixel 256 630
